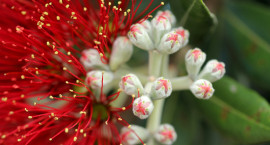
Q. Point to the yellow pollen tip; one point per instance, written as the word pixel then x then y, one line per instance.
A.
pixel 23 12
pixel 75 138
pixel 162 3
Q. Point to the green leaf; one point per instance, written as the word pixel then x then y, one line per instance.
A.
pixel 249 36
pixel 194 16
pixel 238 111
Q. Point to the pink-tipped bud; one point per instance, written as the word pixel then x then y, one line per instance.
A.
pixel 213 71
pixel 161 88
pixel 94 78
pixel 184 34
pixel 130 84
pixel 161 25
pixel 121 52
pixel 169 15
pixel 139 37
pixel 202 89
pixel 166 134
pixel 147 26
pixel 132 135
pixel 143 107
pixel 90 59
pixel 170 43
pixel 194 61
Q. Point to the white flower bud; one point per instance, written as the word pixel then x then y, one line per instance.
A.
pixel 130 136
pixel 121 52
pixel 94 78
pixel 202 89
pixel 130 84
pixel 161 88
pixel 142 107
pixel 161 25
pixel 184 34
pixel 91 58
pixel 213 71
pixel 147 26
pixel 194 61
pixel 139 37
pixel 170 43
pixel 166 134
pixel 169 15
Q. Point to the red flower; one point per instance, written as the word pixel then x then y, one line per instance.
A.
pixel 41 42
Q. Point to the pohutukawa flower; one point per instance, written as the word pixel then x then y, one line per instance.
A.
pixel 139 37
pixel 213 71
pixel 202 89
pixel 161 88
pixel 131 85
pixel 194 60
pixel 169 15
pixel 41 62
pixel 143 107
pixel 96 78
pixel 134 134
pixel 184 34
pixel 91 58
pixel 121 52
pixel 161 25
pixel 170 43
pixel 166 134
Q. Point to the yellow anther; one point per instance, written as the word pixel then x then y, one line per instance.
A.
pixel 66 130
pixel 85 8
pixel 23 12
pixel 45 13
pixel 75 138
pixel 22 77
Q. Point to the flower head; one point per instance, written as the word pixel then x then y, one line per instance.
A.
pixel 41 74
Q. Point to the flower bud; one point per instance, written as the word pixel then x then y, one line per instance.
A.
pixel 213 71
pixel 91 58
pixel 130 84
pixel 169 15
pixel 184 34
pixel 131 135
pixel 139 37
pixel 170 43
pixel 94 78
pixel 194 61
pixel 161 25
pixel 121 52
pixel 142 107
pixel 147 26
pixel 202 89
pixel 161 88
pixel 166 134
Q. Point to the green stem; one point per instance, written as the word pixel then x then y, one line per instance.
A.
pixel 158 65
pixel 181 83
pixel 155 61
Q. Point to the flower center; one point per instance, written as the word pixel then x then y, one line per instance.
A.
pixel 100 112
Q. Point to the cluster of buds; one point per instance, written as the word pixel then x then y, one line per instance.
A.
pixel 143 106
pixel 159 34
pixel 214 70
pixel 165 134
